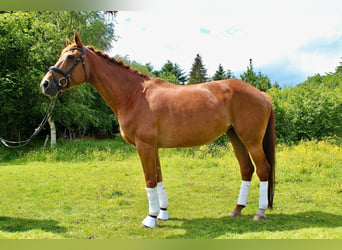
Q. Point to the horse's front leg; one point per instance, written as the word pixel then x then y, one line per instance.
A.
pixel 163 200
pixel 148 153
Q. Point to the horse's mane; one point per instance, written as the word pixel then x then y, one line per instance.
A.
pixel 117 62
pixel 110 59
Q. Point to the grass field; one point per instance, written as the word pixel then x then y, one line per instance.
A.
pixel 95 190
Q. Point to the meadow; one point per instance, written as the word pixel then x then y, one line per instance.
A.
pixel 91 189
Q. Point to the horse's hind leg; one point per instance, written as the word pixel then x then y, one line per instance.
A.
pixel 262 170
pixel 246 170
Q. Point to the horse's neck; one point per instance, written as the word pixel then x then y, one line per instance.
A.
pixel 115 83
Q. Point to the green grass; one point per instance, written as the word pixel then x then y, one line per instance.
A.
pixel 95 189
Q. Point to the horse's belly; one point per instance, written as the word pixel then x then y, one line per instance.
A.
pixel 191 135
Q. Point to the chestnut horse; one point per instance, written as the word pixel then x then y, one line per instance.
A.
pixel 154 114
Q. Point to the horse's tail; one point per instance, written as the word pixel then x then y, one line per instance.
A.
pixel 269 144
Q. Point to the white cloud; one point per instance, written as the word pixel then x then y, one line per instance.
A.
pixel 267 31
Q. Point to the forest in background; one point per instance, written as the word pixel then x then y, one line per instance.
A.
pixel 30 42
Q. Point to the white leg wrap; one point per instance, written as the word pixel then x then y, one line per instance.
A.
pixel 153 201
pixel 163 201
pixel 263 195
pixel 243 195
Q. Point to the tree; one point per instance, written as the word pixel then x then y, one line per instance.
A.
pixel 310 110
pixel 339 69
pixel 172 72
pixel 249 76
pixel 198 72
pixel 21 64
pixel 276 85
pixel 145 69
pixel 219 74
pixel 229 74
pixel 258 80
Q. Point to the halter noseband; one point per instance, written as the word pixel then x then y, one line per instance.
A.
pixel 64 82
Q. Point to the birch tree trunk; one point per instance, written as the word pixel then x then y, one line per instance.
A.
pixel 52 131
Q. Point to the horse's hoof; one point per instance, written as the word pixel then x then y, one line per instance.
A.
pixel 260 215
pixel 163 215
pixel 235 214
pixel 149 221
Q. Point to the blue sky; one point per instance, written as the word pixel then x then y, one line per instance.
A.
pixel 287 40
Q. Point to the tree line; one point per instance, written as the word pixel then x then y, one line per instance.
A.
pixel 31 41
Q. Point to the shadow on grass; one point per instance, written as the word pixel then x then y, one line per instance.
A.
pixel 210 228
pixel 14 225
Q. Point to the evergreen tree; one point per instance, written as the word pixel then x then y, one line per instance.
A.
pixel 229 74
pixel 219 74
pixel 173 73
pixel 249 76
pixel 198 72
pixel 258 80
pixel 180 74
pixel 263 82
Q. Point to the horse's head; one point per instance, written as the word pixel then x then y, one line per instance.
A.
pixel 69 70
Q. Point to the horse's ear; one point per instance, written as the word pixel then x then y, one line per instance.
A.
pixel 78 40
pixel 67 42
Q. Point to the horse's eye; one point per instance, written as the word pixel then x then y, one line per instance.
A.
pixel 70 57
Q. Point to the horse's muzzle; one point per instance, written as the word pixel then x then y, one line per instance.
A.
pixel 49 88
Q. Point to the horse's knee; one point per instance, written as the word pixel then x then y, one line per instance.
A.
pixel 151 182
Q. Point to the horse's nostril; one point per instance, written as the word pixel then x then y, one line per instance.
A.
pixel 45 84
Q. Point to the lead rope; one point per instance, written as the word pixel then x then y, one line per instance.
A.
pixel 18 144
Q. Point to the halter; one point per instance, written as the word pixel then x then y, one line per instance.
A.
pixel 64 82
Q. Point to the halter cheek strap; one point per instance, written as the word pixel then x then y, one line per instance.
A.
pixel 67 75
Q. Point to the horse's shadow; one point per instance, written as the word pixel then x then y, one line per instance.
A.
pixel 211 228
pixel 13 225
